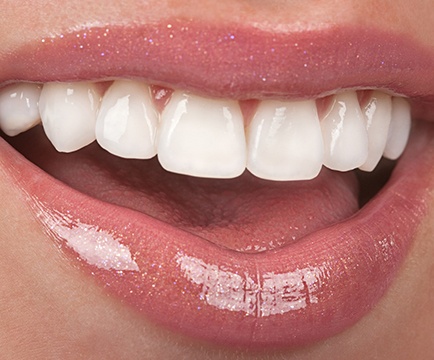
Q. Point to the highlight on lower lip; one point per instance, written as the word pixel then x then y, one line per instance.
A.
pixel 309 290
pixel 94 245
pixel 223 289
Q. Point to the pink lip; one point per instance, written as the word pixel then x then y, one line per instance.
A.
pixel 299 294
pixel 231 61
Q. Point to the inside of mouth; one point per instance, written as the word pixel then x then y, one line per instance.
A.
pixel 244 214
pixel 256 210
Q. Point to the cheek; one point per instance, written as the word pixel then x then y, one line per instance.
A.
pixel 48 306
pixel 402 324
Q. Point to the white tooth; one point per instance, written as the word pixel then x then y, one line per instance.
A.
pixel 127 121
pixel 399 129
pixel 285 141
pixel 68 113
pixel 19 108
pixel 344 134
pixel 377 112
pixel 202 137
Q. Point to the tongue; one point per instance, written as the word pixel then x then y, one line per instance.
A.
pixel 245 214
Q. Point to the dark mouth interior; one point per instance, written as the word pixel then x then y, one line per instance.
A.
pixel 372 182
pixel 244 214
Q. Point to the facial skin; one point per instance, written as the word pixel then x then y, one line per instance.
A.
pixel 50 309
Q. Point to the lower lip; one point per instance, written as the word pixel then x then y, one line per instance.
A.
pixel 296 295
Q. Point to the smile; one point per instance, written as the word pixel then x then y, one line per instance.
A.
pixel 219 198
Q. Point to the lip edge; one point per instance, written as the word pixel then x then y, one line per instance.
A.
pixel 394 68
pixel 112 278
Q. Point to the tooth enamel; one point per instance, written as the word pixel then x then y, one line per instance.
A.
pixel 127 122
pixel 399 129
pixel 205 137
pixel 68 113
pixel 285 141
pixel 378 113
pixel 344 134
pixel 19 109
pixel 202 137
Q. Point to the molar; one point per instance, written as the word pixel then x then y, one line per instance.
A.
pixel 285 141
pixel 68 113
pixel 19 110
pixel 202 137
pixel 127 121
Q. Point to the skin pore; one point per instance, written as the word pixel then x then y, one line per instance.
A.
pixel 50 309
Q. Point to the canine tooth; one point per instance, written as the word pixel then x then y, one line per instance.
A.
pixel 285 141
pixel 127 122
pixel 377 112
pixel 19 108
pixel 399 129
pixel 68 113
pixel 344 134
pixel 202 137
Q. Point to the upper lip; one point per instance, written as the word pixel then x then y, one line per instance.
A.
pixel 246 62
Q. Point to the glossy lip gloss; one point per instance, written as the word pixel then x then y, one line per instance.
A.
pixel 295 295
pixel 291 296
pixel 230 61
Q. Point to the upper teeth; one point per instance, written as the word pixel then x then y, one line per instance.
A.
pixel 127 122
pixel 285 141
pixel 19 108
pixel 68 113
pixel 204 137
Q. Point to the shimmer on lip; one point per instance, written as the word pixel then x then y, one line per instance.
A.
pixel 310 290
pixel 295 295
pixel 233 61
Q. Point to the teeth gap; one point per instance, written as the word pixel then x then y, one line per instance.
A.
pixel 364 96
pixel 248 109
pixel 103 86
pixel 275 140
pixel 324 106
pixel 160 96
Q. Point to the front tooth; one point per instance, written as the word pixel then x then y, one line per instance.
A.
pixel 127 122
pixel 399 129
pixel 377 112
pixel 202 137
pixel 19 109
pixel 285 141
pixel 344 134
pixel 68 113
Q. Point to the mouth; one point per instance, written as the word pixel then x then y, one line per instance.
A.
pixel 166 217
